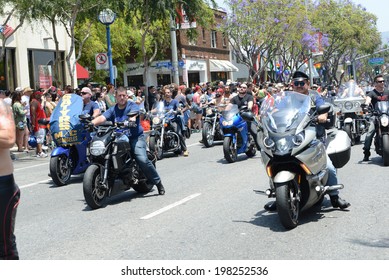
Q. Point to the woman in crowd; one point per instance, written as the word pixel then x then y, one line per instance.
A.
pixel 20 119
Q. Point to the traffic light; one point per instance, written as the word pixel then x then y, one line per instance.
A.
pixel 377 70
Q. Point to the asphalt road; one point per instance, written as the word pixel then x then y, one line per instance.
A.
pixel 209 212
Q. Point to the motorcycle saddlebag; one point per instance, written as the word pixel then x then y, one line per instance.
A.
pixel 338 148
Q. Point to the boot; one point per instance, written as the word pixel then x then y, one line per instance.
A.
pixel 271 206
pixel 161 189
pixel 367 155
pixel 336 202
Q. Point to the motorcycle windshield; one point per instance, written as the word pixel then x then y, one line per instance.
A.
pixel 284 112
pixel 349 90
pixel 230 112
pixel 382 106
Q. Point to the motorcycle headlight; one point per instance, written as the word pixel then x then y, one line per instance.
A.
pixel 348 105
pixel 268 143
pixel 156 120
pixel 97 148
pixel 227 123
pixel 298 139
pixel 384 120
pixel 282 146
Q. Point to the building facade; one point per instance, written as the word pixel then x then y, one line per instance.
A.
pixel 30 55
pixel 204 59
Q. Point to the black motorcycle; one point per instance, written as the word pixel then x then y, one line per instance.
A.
pixel 163 138
pixel 211 127
pixel 113 169
pixel 381 139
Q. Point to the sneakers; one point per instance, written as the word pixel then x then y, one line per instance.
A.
pixel 45 148
pixel 186 153
pixel 41 155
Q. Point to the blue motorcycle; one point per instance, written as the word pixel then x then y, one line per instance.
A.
pixel 71 139
pixel 237 139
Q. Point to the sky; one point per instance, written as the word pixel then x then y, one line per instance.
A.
pixel 378 7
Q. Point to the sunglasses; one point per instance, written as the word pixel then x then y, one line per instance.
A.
pixel 298 83
pixel 380 82
pixel 83 92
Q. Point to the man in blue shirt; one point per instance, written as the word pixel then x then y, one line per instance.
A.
pixel 136 137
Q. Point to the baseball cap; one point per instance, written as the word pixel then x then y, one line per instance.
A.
pixel 86 90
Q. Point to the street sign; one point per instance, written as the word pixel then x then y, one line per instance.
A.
pixel 101 60
pixel 376 61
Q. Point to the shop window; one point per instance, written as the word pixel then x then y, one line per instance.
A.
pixel 8 71
pixel 163 79
pixel 213 39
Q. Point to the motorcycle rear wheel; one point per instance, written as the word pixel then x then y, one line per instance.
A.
pixel 288 204
pixel 60 171
pixel 93 194
pixel 207 135
pixel 155 146
pixel 385 149
pixel 229 150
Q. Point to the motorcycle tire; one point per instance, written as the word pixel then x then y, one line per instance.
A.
pixel 288 204
pixel 154 144
pixel 348 129
pixel 252 151
pixel 229 150
pixel 207 135
pixel 93 194
pixel 385 149
pixel 60 171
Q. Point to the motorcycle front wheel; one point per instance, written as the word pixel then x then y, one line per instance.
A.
pixel 288 204
pixel 60 170
pixel 207 135
pixel 229 150
pixel 385 149
pixel 348 130
pixel 155 146
pixel 94 194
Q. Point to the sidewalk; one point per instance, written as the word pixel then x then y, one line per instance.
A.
pixel 15 155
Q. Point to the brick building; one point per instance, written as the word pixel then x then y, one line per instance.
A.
pixel 206 58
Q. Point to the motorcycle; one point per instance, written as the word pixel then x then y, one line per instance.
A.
pixel 294 159
pixel 163 138
pixel 69 157
pixel 211 127
pixel 350 114
pixel 237 138
pixel 381 139
pixel 113 169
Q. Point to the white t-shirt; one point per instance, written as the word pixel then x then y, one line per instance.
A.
pixel 26 102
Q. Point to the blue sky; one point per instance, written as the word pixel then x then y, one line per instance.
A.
pixel 378 7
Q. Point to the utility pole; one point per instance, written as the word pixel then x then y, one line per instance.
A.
pixel 173 46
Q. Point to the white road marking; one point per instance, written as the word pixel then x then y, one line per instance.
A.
pixel 33 184
pixel 31 166
pixel 164 209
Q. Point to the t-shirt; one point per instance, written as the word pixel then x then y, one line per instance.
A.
pixel 378 96
pixel 90 107
pixel 242 101
pixel 114 114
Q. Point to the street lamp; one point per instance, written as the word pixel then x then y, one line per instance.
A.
pixel 107 17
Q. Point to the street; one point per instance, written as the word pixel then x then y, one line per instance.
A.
pixel 210 212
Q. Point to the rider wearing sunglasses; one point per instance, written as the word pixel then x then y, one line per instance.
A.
pixel 300 84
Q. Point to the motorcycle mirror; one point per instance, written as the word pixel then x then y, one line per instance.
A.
pixel 323 109
pixel 247 116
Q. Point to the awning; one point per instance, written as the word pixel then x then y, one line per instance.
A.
pixel 222 66
pixel 82 73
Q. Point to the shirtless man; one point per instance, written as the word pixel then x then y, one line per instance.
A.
pixel 9 191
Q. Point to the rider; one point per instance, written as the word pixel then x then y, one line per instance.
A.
pixel 377 94
pixel 301 85
pixel 136 137
pixel 357 90
pixel 245 99
pixel 90 107
pixel 173 104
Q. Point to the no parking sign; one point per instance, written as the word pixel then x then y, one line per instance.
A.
pixel 101 60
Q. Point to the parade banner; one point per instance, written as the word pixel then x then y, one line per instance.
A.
pixel 66 128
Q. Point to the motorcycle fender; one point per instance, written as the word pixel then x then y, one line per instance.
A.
pixel 348 120
pixel 60 151
pixel 283 177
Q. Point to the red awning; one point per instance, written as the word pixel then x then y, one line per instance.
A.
pixel 82 73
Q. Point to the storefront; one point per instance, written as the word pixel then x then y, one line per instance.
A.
pixel 196 72
pixel 220 69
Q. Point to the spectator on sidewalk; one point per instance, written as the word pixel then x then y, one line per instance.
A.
pixel 19 114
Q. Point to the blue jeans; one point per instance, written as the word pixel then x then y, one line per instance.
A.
pixel 332 179
pixel 369 135
pixel 138 148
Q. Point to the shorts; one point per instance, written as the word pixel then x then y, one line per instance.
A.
pixel 40 136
